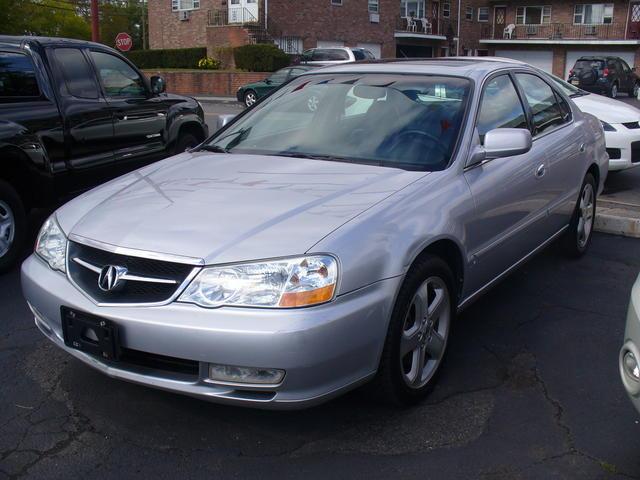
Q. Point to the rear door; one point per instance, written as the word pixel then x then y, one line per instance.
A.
pixel 139 118
pixel 509 192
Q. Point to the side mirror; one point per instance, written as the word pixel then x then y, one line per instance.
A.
pixel 158 85
pixel 223 120
pixel 502 142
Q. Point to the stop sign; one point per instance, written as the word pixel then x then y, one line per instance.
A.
pixel 124 42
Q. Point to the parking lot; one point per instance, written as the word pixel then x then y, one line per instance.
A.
pixel 530 390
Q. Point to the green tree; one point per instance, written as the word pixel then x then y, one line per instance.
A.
pixel 56 18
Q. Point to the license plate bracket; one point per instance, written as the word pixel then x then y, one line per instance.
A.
pixel 90 334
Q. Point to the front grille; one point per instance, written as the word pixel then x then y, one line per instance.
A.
pixel 632 125
pixel 85 264
pixel 159 362
pixel 614 153
pixel 635 152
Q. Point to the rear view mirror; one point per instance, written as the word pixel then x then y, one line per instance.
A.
pixel 158 85
pixel 502 142
pixel 223 120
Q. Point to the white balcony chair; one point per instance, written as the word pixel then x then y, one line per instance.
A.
pixel 508 31
pixel 426 26
pixel 411 24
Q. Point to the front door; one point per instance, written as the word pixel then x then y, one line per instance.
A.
pixel 243 11
pixel 634 21
pixel 139 119
pixel 499 21
pixel 435 17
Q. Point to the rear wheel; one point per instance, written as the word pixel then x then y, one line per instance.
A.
pixel 578 236
pixel 250 97
pixel 12 226
pixel 418 333
pixel 613 91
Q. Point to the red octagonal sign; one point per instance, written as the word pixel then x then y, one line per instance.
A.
pixel 124 42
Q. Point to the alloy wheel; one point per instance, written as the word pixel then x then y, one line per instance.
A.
pixel 636 87
pixel 250 99
pixel 614 91
pixel 585 214
pixel 425 332
pixel 7 228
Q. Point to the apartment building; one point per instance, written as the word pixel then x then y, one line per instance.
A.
pixel 554 34
pixel 389 28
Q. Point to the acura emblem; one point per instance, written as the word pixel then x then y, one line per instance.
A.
pixel 110 277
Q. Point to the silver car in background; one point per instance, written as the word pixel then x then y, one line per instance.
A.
pixel 629 360
pixel 299 253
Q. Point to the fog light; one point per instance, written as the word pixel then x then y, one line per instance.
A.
pixel 245 375
pixel 631 366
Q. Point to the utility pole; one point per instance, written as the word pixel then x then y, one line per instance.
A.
pixel 144 25
pixel 95 21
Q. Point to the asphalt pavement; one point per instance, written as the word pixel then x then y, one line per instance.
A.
pixel 530 390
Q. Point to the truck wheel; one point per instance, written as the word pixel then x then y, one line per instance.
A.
pixel 613 91
pixel 13 223
pixel 185 141
pixel 634 90
pixel 418 334
pixel 578 237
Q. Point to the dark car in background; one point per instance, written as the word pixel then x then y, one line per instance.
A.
pixel 608 75
pixel 74 114
pixel 252 92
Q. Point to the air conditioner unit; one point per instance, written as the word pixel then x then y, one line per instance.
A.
pixel 184 15
pixel 374 17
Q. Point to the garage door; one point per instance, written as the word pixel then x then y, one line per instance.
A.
pixel 374 48
pixel 538 58
pixel 573 55
pixel 329 43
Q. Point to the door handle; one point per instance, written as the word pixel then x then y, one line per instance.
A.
pixel 122 117
pixel 541 170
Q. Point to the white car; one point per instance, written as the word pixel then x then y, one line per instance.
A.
pixel 335 55
pixel 621 123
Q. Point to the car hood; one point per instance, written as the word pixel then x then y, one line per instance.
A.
pixel 227 208
pixel 607 109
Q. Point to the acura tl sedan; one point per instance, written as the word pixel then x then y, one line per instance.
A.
pixel 299 253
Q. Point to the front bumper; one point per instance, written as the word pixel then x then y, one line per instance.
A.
pixel 622 143
pixel 632 344
pixel 325 350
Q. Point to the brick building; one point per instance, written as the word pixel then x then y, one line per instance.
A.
pixel 551 34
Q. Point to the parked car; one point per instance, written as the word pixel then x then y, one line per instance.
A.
pixel 335 55
pixel 252 92
pixel 629 354
pixel 300 253
pixel 608 75
pixel 74 114
pixel 621 123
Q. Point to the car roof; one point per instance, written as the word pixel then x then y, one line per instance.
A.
pixel 21 40
pixel 454 66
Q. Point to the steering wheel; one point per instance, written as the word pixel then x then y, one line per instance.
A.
pixel 420 136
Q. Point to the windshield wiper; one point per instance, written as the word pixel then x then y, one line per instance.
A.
pixel 214 148
pixel 329 158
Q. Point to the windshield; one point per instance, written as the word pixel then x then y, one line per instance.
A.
pixel 409 122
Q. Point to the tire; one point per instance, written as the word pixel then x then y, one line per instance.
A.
pixel 250 98
pixel 13 226
pixel 185 141
pixel 578 237
pixel 400 380
pixel 634 91
pixel 613 91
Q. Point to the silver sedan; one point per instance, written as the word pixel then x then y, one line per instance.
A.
pixel 301 252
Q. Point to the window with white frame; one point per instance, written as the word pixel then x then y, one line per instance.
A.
pixel 336 2
pixel 533 15
pixel 179 5
pixel 483 14
pixel 468 13
pixel 446 9
pixel 374 6
pixel 593 14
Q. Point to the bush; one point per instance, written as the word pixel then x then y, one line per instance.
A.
pixel 260 58
pixel 208 63
pixel 167 58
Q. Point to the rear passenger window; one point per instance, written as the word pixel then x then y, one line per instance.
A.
pixel 77 74
pixel 546 111
pixel 500 107
pixel 17 77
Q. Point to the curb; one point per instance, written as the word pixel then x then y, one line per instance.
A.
pixel 618 219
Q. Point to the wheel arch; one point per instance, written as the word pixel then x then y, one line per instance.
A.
pixel 14 169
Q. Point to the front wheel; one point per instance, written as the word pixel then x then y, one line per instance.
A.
pixel 578 236
pixel 250 98
pixel 418 333
pixel 13 223
pixel 185 142
pixel 634 90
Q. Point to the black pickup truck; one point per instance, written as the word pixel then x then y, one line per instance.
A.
pixel 74 114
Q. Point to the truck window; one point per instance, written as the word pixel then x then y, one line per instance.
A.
pixel 17 77
pixel 77 73
pixel 118 78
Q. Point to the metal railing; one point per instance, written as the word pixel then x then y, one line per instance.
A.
pixel 425 26
pixel 223 17
pixel 555 31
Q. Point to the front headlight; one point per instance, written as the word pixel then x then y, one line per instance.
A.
pixel 51 245
pixel 607 127
pixel 286 283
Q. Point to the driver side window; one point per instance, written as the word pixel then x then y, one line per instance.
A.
pixel 118 78
pixel 500 107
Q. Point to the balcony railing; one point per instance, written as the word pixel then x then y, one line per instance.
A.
pixel 555 31
pixel 425 26
pixel 222 17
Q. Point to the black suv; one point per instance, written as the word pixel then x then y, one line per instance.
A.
pixel 609 75
pixel 74 114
